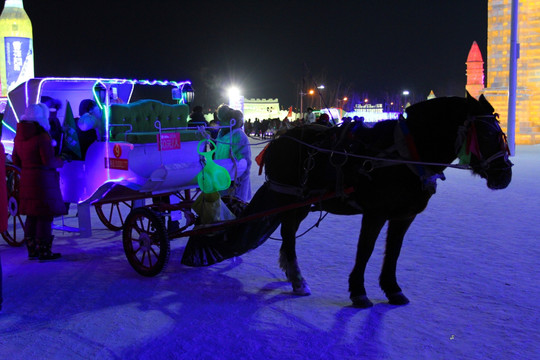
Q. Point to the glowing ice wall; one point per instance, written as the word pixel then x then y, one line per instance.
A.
pixel 528 73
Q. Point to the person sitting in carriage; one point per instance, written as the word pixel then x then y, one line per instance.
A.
pixel 90 127
pixel 234 143
pixel 196 118
pixel 56 132
pixel 90 118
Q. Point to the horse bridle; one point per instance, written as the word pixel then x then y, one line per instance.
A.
pixel 467 141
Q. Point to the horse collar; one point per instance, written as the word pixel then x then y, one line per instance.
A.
pixel 412 152
pixel 406 148
pixel 467 142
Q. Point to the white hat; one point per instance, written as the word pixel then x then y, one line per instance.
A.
pixel 38 113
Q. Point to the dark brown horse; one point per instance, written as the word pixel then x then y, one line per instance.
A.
pixel 387 173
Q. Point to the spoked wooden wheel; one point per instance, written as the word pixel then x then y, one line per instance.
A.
pixel 113 215
pixel 145 242
pixel 14 235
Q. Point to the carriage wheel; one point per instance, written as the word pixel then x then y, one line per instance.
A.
pixel 14 235
pixel 145 242
pixel 113 215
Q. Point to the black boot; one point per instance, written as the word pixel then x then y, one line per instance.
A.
pixel 45 245
pixel 32 247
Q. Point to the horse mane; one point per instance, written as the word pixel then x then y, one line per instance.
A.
pixel 377 138
pixel 434 126
pixel 445 108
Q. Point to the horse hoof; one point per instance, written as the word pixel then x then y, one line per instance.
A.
pixel 397 299
pixel 361 302
pixel 301 289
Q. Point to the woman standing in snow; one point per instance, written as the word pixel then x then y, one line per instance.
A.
pixel 40 196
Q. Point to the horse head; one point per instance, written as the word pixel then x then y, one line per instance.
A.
pixel 483 144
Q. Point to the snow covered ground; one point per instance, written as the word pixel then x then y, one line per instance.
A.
pixel 470 266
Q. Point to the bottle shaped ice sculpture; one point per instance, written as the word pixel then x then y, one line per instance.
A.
pixel 16 46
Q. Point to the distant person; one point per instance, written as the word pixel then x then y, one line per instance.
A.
pixel 196 118
pixel 360 121
pixel 40 196
pixel 346 120
pixel 310 116
pixel 324 120
pixel 257 127
pixel 248 126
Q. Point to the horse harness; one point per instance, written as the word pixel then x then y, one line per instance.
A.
pixel 403 151
pixel 309 164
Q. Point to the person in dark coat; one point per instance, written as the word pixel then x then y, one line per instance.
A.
pixel 40 195
pixel 197 117
pixel 324 120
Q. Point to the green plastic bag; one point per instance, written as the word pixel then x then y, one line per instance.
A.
pixel 211 209
pixel 213 177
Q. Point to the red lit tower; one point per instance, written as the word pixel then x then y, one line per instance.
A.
pixel 475 71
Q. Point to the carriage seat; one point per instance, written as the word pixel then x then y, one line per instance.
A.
pixel 142 115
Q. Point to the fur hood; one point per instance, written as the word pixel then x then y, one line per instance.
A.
pixel 29 129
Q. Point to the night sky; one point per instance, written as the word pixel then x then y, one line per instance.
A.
pixel 266 48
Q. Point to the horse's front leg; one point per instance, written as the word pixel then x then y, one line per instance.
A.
pixel 290 221
pixel 388 281
pixel 371 227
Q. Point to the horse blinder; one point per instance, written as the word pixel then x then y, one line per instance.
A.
pixel 484 166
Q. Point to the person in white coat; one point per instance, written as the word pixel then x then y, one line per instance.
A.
pixel 234 144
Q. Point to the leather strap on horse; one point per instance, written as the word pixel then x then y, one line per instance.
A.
pixel 406 148
pixel 340 181
pixel 300 191
pixel 223 225
pixel 285 189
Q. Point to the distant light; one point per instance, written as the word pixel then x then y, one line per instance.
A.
pixel 233 92
pixel 345 98
pixel 311 91
pixel 236 99
pixel 366 101
pixel 406 92
pixel 320 87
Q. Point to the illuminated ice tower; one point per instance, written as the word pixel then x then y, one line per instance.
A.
pixel 475 71
pixel 528 66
